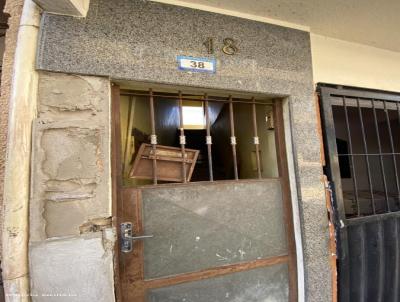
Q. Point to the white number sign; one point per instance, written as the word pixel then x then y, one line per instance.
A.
pixel 196 64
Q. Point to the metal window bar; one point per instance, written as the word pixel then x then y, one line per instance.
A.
pixel 182 138
pixel 351 156
pixel 256 138
pixel 153 137
pixel 208 138
pixel 380 156
pixel 392 148
pixel 369 154
pixel 363 240
pixel 398 115
pixel 197 98
pixel 233 138
pixel 371 189
pixel 385 106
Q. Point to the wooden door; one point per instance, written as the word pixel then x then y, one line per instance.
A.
pixel 212 241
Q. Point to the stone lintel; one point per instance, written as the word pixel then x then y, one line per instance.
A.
pixel 77 8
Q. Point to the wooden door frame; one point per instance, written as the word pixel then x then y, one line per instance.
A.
pixel 116 183
pixel 118 214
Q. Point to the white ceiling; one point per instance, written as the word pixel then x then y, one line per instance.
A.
pixel 371 22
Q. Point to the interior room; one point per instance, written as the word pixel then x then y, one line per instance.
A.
pixel 136 130
pixel 368 152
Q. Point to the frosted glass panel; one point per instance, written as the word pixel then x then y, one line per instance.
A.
pixel 200 226
pixel 268 284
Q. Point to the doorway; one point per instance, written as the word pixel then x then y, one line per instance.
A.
pixel 202 197
pixel 362 147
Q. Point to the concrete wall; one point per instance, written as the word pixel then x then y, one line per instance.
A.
pixel 345 63
pixel 76 8
pixel 73 269
pixel 134 41
pixel 70 208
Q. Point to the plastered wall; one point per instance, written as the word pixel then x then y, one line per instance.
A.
pixel 71 183
pixel 70 209
pixel 345 63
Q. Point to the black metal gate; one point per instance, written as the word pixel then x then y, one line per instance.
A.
pixel 362 148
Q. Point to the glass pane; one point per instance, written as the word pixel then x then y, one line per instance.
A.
pixel 258 285
pixel 246 149
pixel 200 226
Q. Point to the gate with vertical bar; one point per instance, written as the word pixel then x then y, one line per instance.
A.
pixel 214 240
pixel 362 147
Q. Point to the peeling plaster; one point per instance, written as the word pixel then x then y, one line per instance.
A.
pixel 59 94
pixel 71 235
pixel 96 224
pixel 72 154
pixel 71 168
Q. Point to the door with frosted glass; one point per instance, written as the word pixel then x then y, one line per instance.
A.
pixel 210 241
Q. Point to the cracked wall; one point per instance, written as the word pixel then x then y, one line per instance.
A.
pixel 71 169
pixel 70 210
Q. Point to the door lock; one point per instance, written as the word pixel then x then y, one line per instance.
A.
pixel 127 237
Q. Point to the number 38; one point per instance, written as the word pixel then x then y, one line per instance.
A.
pixel 195 64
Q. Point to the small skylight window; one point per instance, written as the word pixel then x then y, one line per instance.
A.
pixel 193 117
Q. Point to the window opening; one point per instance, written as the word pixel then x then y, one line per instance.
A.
pixel 193 115
pixel 177 137
pixel 369 151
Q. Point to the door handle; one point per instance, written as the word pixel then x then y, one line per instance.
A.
pixel 127 237
pixel 137 237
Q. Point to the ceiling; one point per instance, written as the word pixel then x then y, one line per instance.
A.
pixel 370 22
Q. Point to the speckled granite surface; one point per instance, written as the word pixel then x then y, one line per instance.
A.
pixel 139 40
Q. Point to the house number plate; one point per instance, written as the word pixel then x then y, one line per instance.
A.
pixel 196 64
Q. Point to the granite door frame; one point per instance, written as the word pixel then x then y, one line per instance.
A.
pixel 123 210
pixel 273 60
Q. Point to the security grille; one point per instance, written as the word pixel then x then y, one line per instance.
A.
pixel 368 153
pixel 362 148
pixel 232 106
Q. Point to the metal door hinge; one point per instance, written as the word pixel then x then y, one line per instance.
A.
pixel 127 237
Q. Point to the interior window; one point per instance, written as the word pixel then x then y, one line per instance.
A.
pixel 193 115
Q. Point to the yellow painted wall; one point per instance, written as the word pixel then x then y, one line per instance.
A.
pixel 345 63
